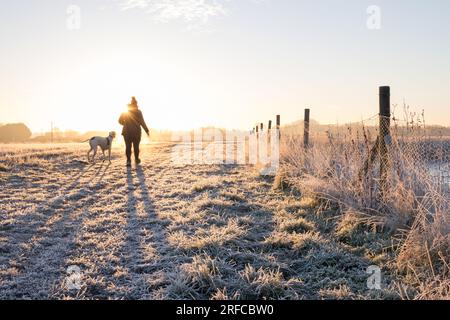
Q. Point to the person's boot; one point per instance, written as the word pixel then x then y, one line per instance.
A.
pixel 138 161
pixel 128 163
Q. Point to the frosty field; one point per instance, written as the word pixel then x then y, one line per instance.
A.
pixel 161 231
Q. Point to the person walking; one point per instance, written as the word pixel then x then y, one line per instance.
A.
pixel 132 121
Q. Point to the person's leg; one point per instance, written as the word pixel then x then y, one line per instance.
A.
pixel 136 143
pixel 128 148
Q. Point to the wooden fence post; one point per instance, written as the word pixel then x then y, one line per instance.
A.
pixel 269 129
pixel 278 126
pixel 384 135
pixel 306 129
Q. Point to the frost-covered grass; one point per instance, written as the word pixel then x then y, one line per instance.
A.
pixel 405 230
pixel 162 231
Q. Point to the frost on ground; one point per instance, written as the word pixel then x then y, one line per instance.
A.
pixel 162 231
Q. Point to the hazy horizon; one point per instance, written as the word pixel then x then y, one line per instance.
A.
pixel 219 63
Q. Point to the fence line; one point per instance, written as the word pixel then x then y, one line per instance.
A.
pixel 382 150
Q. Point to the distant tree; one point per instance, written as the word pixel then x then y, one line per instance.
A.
pixel 17 132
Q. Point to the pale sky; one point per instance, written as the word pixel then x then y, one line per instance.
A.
pixel 226 63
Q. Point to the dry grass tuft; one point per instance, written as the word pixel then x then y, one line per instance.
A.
pixel 267 284
pixel 343 292
pixel 207 237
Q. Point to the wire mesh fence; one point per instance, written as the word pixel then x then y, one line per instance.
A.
pixel 377 159
pixel 392 173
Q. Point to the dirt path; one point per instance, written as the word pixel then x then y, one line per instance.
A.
pixel 164 231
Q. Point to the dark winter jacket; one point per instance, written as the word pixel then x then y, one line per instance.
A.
pixel 132 121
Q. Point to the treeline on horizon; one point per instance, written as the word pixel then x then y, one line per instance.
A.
pixel 20 133
pixel 370 128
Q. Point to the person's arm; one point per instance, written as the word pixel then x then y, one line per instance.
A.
pixel 121 120
pixel 142 123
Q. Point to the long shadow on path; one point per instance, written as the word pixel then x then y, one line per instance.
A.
pixel 47 245
pixel 145 241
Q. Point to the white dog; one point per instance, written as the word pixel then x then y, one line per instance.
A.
pixel 103 143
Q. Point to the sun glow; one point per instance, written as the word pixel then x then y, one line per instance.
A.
pixel 94 96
